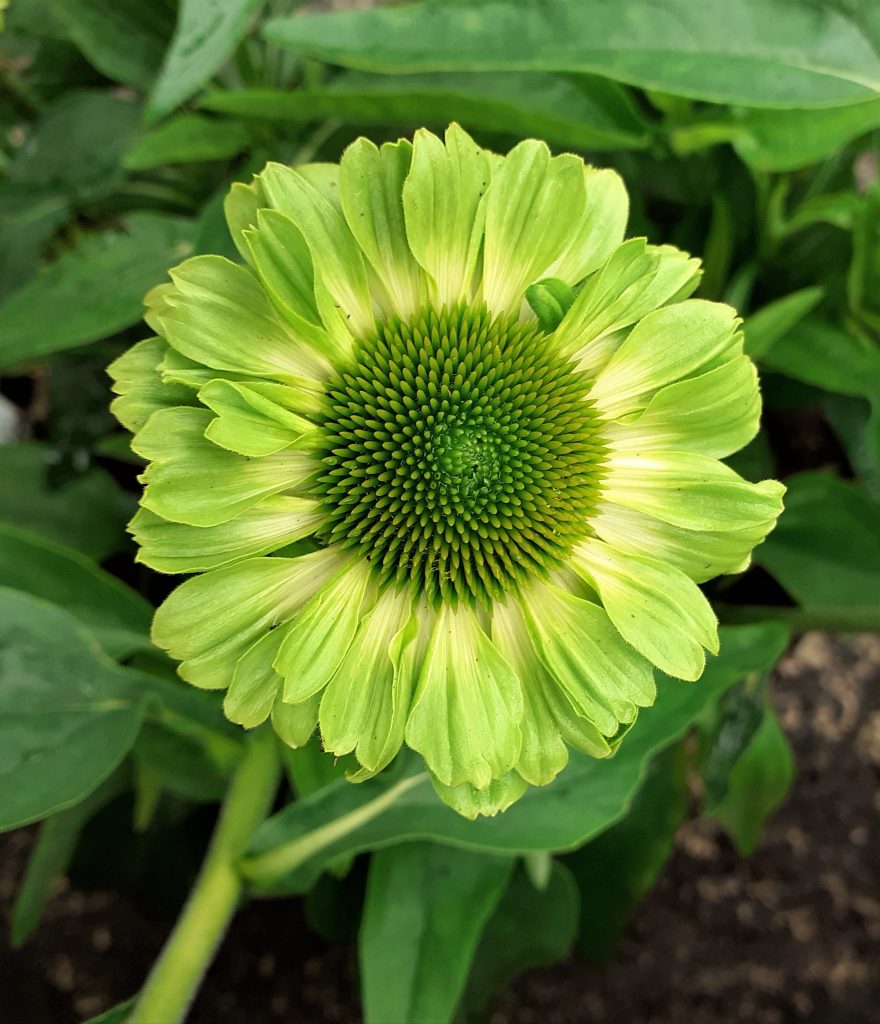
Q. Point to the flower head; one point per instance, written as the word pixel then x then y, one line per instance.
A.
pixel 444 453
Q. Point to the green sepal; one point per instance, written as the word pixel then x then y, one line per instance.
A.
pixel 550 299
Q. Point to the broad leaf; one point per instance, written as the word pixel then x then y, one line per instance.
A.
pixel 124 39
pixel 767 325
pixel 207 33
pixel 757 784
pixel 425 908
pixel 69 715
pixel 618 868
pixel 88 513
pixel 531 927
pixel 825 549
pixel 91 291
pixel 292 847
pixel 579 113
pixel 763 53
pixel 185 139
pixel 820 353
pixel 118 616
pixel 75 149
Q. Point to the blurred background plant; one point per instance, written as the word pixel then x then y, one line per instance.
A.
pixel 746 131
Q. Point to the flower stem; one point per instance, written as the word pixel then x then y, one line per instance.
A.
pixel 176 975
pixel 856 619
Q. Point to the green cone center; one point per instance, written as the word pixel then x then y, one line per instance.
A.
pixel 461 454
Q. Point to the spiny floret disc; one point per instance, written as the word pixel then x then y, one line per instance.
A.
pixel 460 453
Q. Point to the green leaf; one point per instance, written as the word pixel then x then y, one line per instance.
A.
pixel 820 353
pixel 757 784
pixel 771 322
pixel 530 928
pixel 186 139
pixel 69 716
pixel 584 113
pixel 207 33
pixel 763 53
pixel 51 855
pixel 88 513
pixel 29 215
pixel 116 1014
pixel 737 717
pixel 769 140
pixel 123 39
pixel 425 908
pixel 75 149
pixel 590 795
pixel 112 268
pixel 825 549
pixel 618 868
pixel 118 616
pixel 180 765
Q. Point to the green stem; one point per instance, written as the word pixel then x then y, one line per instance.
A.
pixel 176 975
pixel 832 620
pixel 281 860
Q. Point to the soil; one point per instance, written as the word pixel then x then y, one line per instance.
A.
pixel 790 934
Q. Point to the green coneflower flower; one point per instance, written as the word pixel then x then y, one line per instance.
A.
pixel 444 454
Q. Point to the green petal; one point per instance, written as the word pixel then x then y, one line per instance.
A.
pixel 371 184
pixel 543 753
pixel 666 346
pixel 283 262
pixel 365 705
pixel 531 204
pixel 468 705
pixel 714 414
pixel 139 385
pixel 210 621
pixel 220 316
pixel 255 683
pixel 322 633
pixel 155 303
pixel 444 209
pixel 637 279
pixel 691 491
pixel 657 608
pixel 241 207
pixel 256 419
pixel 335 253
pixel 268 526
pixel 193 481
pixel 603 677
pixel 295 723
pixel 702 554
pixel 472 803
pixel 601 227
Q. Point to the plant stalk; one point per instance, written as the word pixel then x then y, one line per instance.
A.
pixel 176 975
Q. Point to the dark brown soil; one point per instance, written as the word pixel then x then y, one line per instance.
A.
pixel 791 934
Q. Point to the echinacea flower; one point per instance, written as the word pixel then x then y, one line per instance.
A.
pixel 444 455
